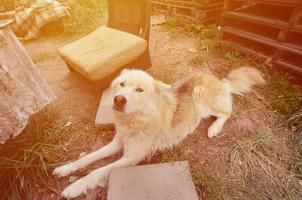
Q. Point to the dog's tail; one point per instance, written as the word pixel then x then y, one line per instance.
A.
pixel 244 78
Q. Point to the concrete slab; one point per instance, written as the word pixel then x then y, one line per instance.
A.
pixel 168 181
pixel 105 115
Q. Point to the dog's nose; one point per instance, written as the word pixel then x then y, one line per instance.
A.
pixel 120 100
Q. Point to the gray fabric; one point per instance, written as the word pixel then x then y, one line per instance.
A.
pixel 22 90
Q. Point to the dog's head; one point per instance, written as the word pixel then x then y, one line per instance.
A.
pixel 135 91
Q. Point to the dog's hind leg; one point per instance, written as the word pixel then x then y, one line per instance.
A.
pixel 99 177
pixel 217 125
pixel 221 109
pixel 110 149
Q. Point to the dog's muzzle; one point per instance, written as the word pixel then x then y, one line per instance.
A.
pixel 119 103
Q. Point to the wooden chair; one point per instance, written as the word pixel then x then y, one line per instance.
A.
pixel 132 16
pixel 107 50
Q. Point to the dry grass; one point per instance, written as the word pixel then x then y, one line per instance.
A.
pixel 295 123
pixel 262 164
pixel 85 16
pixel 254 158
pixel 253 167
pixel 27 160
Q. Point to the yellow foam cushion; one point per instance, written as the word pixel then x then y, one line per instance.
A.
pixel 102 52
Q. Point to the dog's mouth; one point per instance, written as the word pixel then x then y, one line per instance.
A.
pixel 118 108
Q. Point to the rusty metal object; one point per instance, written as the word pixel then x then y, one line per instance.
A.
pixel 272 28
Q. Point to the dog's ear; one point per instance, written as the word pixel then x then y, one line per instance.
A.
pixel 160 86
pixel 124 70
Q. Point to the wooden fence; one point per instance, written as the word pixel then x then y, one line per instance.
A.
pixel 267 28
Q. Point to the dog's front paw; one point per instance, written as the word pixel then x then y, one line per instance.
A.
pixel 74 190
pixel 64 170
pixel 213 131
pixel 80 187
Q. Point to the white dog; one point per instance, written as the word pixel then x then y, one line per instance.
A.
pixel 151 115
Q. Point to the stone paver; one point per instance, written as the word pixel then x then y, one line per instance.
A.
pixel 167 181
pixel 105 114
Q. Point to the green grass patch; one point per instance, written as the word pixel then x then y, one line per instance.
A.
pixel 287 96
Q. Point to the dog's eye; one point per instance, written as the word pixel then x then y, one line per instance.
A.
pixel 122 84
pixel 139 90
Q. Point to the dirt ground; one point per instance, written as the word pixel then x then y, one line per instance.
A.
pixel 215 163
pixel 78 98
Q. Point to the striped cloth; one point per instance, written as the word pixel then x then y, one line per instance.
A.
pixel 31 15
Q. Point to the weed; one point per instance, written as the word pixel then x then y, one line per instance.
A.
pixel 287 100
pixel 282 82
pixel 171 22
pixel 288 97
pixel 194 27
pixel 85 16
pixel 26 160
pixel 155 13
pixel 208 38
pixel 207 44
pixel 200 59
pixel 287 103
pixel 171 156
pixel 209 32
pixel 234 56
pixel 299 167
pixel 197 173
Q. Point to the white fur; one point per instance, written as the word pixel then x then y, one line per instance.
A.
pixel 159 117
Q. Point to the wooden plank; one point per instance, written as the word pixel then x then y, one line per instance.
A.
pixel 262 39
pixel 201 6
pixel 209 19
pixel 183 7
pixel 174 3
pixel 294 18
pixel 287 3
pixel 289 66
pixel 211 9
pixel 261 56
pixel 189 9
pixel 159 3
pixel 247 51
pixel 263 21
